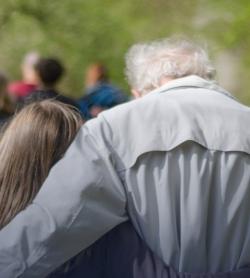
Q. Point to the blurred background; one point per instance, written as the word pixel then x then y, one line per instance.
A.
pixel 80 32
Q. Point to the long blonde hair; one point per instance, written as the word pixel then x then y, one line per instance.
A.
pixel 35 139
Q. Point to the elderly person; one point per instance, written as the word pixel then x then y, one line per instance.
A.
pixel 176 162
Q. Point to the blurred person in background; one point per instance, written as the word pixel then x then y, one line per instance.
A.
pixel 36 138
pixel 99 94
pixel 175 161
pixel 49 72
pixel 6 104
pixel 19 90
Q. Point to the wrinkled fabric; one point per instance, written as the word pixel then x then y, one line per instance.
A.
pixel 176 162
pixel 121 253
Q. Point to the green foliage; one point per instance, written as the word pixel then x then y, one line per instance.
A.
pixel 80 32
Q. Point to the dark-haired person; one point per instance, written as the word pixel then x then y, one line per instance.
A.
pixel 6 103
pixel 49 72
pixel 35 139
pixel 99 94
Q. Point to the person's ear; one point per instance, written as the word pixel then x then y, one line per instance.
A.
pixel 135 93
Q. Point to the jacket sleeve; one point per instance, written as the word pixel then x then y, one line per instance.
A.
pixel 80 201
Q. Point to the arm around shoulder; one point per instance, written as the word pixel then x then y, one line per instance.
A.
pixel 81 200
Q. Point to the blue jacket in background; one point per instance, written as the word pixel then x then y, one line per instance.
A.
pixel 103 95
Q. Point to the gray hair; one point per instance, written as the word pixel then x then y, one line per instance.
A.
pixel 148 63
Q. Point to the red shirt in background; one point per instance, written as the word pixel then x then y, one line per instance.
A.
pixel 20 89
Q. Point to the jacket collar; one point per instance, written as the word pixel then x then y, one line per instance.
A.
pixel 192 81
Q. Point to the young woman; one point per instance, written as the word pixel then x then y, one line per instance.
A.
pixel 35 139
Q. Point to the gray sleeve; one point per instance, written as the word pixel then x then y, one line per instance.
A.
pixel 80 201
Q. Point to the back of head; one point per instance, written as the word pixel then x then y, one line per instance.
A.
pixel 6 105
pixel 49 71
pixel 3 82
pixel 148 64
pixel 35 139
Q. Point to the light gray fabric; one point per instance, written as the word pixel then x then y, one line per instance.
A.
pixel 176 161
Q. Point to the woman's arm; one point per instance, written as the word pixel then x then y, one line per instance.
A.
pixel 119 253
